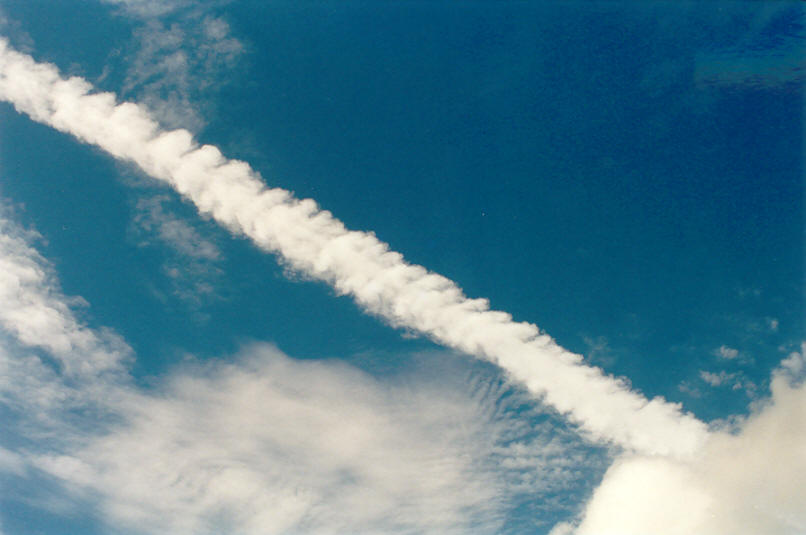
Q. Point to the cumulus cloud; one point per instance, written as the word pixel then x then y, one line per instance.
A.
pixel 746 481
pixel 316 244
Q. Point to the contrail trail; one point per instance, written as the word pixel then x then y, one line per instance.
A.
pixel 355 263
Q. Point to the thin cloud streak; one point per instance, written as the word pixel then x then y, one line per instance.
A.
pixel 313 242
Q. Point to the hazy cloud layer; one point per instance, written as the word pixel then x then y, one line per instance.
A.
pixel 263 443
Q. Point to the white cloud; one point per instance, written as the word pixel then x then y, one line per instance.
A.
pixel 13 29
pixel 747 482
pixel 183 53
pixel 192 260
pixel 272 445
pixel 153 216
pixel 149 8
pixel 726 352
pixel 735 380
pixel 717 379
pixel 56 373
pixel 313 242
pixel 267 444
pixel 36 313
pixel 11 462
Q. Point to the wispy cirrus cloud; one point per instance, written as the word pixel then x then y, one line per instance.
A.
pixel 262 443
pixel 266 444
pixel 153 216
pixel 183 52
pixel 192 259
pixel 313 242
pixel 57 375
pixel 717 379
pixel 37 314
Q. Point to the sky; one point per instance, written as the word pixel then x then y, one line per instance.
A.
pixel 402 267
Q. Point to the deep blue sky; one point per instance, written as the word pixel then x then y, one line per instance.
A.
pixel 570 161
pixel 626 175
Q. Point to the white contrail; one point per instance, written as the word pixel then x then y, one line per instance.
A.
pixel 356 263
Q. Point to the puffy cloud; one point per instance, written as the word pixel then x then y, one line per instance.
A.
pixel 747 481
pixel 735 380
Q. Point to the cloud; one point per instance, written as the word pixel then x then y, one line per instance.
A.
pixel 56 373
pixel 746 481
pixel 262 443
pixel 11 462
pixel 192 260
pixel 37 314
pixel 149 8
pixel 717 379
pixel 311 241
pixel 726 352
pixel 267 444
pixel 735 380
pixel 13 29
pixel 183 53
pixel 153 217
pixel 766 54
